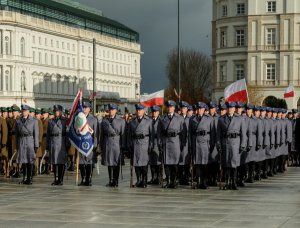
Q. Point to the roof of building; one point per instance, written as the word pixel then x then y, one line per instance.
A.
pixel 81 11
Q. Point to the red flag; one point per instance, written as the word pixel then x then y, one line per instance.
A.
pixel 289 92
pixel 236 92
pixel 152 99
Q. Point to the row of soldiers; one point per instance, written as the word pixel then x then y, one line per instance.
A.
pixel 203 144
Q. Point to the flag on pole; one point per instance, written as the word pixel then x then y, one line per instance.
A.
pixel 79 131
pixel 289 92
pixel 236 92
pixel 152 99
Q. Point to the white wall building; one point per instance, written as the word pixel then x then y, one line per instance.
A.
pixel 258 40
pixel 46 54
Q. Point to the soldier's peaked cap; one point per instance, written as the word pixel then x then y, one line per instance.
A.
pixel 212 105
pixel 25 107
pixel 231 104
pixel 57 108
pixel 183 104
pixel 155 109
pixel 113 106
pixel 170 103
pixel 139 106
pixel 201 105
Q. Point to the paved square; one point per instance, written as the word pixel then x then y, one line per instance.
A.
pixel 271 203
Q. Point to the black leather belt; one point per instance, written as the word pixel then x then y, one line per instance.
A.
pixel 139 136
pixel 201 133
pixel 25 135
pixel 232 135
pixel 171 134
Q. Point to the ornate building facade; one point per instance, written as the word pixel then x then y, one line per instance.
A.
pixel 258 40
pixel 46 52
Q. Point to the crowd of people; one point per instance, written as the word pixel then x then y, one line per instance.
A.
pixel 201 145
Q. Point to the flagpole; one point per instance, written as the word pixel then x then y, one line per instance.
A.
pixel 178 54
pixel 247 92
pixel 77 168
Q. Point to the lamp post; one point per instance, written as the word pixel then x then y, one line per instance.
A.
pixel 178 54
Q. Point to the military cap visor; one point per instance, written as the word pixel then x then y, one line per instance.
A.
pixel 170 103
pixel 212 105
pixel 112 107
pixel 200 105
pixel 231 105
pixel 139 106
pixel 183 104
pixel 155 109
pixel 295 111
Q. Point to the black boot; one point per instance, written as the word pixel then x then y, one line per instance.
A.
pixel 24 172
pixel 226 174
pixel 29 170
pixel 152 169
pixel 116 172
pixel 168 177
pixel 55 171
pixel 88 175
pixel 233 179
pixel 82 174
pixel 110 175
pixel 156 175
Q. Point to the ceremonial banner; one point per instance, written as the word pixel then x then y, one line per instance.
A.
pixel 79 132
pixel 289 92
pixel 236 92
pixel 152 99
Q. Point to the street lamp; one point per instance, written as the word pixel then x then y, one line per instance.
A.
pixel 178 54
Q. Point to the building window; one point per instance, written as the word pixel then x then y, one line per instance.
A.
pixel 46 58
pixel 22 47
pixel 82 49
pixel 33 56
pixel 223 39
pixel 240 71
pixel 40 57
pixel 90 50
pixel 51 43
pixel 223 71
pixel 73 64
pixel 82 63
pixel 51 59
pixel 7 80
pixel 63 45
pixel 90 65
pixel 68 46
pixel 63 61
pixel 57 44
pixel 271 6
pixel 46 42
pixel 68 62
pixel 73 47
pixel 33 39
pixel 57 60
pixel 240 37
pixel 23 81
pixel 40 41
pixel 224 10
pixel 241 9
pixel 7 45
pixel 271 36
pixel 271 71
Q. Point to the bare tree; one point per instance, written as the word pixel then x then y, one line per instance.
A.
pixel 255 95
pixel 196 75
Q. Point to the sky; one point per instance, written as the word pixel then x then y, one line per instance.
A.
pixel 156 22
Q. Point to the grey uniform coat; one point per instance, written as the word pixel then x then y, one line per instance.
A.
pixel 256 138
pixel 277 137
pixel 27 138
pixel 249 139
pixel 57 140
pixel 185 158
pixel 112 140
pixel 214 155
pixel 141 140
pixel 265 140
pixel 283 146
pixel 231 147
pixel 202 137
pixel 93 123
pixel 154 155
pixel 288 136
pixel 271 135
pixel 293 143
pixel 172 134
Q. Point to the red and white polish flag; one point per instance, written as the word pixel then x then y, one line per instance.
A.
pixel 236 92
pixel 289 92
pixel 153 99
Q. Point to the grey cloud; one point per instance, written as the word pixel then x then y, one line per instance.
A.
pixel 156 21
